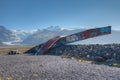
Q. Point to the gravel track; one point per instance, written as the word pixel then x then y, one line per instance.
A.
pixel 24 67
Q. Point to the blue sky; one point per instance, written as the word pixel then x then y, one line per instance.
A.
pixel 33 14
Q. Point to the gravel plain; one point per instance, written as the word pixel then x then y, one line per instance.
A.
pixel 45 67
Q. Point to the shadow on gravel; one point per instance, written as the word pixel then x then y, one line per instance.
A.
pixel 110 64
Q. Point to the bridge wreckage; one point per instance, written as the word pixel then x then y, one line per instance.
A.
pixel 58 41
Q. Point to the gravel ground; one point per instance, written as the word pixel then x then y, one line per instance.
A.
pixel 24 67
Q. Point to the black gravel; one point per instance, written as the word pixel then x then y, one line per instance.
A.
pixel 24 67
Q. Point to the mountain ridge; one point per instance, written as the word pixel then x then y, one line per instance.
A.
pixel 38 36
pixel 5 34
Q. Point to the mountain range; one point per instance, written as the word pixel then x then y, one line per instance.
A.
pixel 1 43
pixel 41 36
pixel 35 37
pixel 5 34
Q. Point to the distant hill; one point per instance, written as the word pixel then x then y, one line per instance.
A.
pixel 5 34
pixel 41 36
pixel 1 44
pixel 35 37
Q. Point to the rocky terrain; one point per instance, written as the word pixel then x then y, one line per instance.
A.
pixel 25 67
pixel 99 52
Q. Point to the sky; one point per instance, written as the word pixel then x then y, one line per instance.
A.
pixel 34 14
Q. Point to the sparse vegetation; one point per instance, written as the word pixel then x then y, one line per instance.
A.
pixel 20 49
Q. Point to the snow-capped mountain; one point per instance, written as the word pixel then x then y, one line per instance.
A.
pixel 1 43
pixel 18 37
pixel 53 28
pixel 5 34
pixel 41 36
pixel 45 34
pixel 12 37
